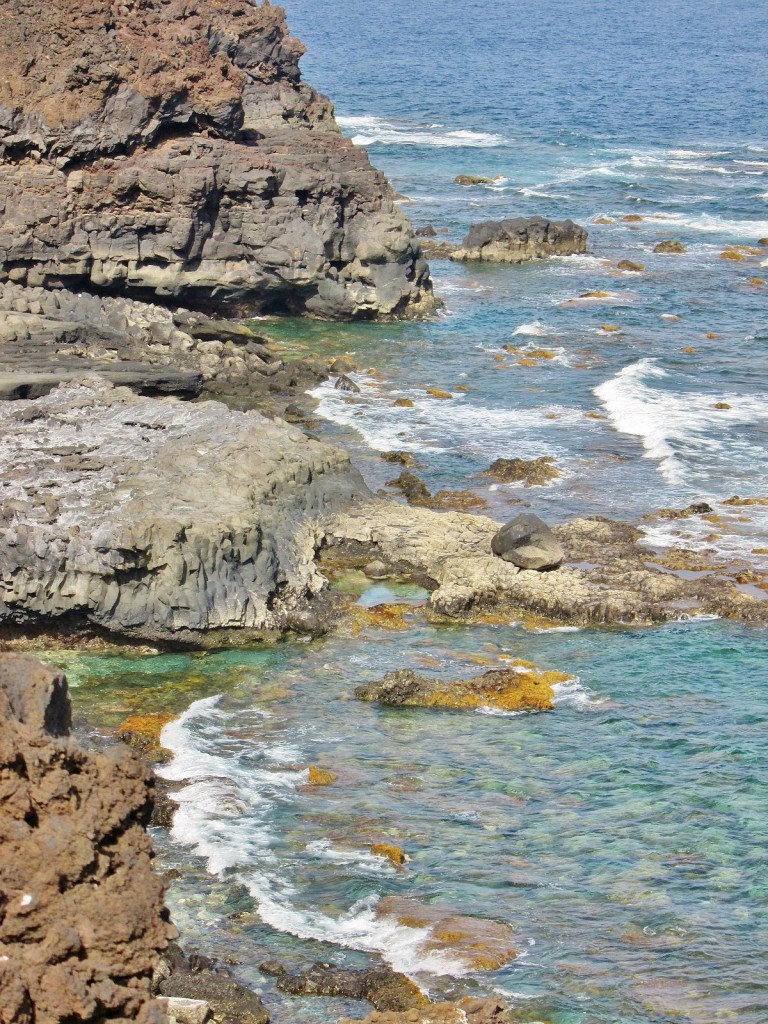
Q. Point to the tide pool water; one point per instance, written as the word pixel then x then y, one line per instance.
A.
pixel 622 836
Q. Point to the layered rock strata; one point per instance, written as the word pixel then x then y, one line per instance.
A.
pixel 160 519
pixel 51 337
pixel 520 240
pixel 82 921
pixel 167 150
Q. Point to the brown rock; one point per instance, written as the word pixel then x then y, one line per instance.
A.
pixel 631 266
pixel 83 921
pixel 173 150
pixel 669 245
pixel 531 472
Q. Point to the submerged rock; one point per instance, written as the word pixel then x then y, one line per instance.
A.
pixel 520 688
pixel 530 472
pixel 392 853
pixel 82 922
pixel 520 240
pixel 477 943
pixel 174 152
pixel 528 543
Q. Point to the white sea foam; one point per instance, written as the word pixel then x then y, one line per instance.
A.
pixel 368 131
pixel 225 815
pixel 538 193
pixel 322 849
pixel 535 329
pixel 573 692
pixel 432 425
pixel 711 224
pixel 671 424
pixel 404 948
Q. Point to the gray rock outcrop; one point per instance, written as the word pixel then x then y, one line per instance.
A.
pixel 82 921
pixel 160 519
pixel 520 240
pixel 162 149
pixel 51 337
pixel 527 542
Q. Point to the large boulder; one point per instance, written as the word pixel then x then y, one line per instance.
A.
pixel 168 149
pixel 82 921
pixel 520 240
pixel 527 542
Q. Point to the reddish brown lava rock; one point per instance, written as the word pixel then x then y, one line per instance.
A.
pixel 82 920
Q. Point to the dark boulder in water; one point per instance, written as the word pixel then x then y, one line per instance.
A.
pixel 520 240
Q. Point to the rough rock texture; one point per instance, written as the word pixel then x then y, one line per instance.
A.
pixel 82 921
pixel 520 240
pixel 529 472
pixel 465 1011
pixel 200 978
pixel 160 519
pixel 169 149
pixel 527 542
pixel 611 576
pixel 384 988
pixel 521 688
pixel 50 337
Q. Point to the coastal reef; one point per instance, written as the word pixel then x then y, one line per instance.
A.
pixel 82 922
pixel 163 150
pixel 160 520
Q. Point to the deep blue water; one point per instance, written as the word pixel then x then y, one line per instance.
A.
pixel 622 835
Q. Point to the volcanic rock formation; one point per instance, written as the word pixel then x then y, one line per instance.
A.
pixel 520 240
pixel 82 921
pixel 162 149
pixel 157 518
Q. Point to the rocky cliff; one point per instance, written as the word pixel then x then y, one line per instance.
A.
pixel 82 921
pixel 160 519
pixel 169 150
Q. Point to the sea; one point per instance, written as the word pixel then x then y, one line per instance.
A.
pixel 622 836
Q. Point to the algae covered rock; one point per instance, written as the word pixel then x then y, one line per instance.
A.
pixel 528 543
pixel 670 246
pixel 530 472
pixel 518 688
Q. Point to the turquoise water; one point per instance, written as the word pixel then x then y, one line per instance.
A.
pixel 622 836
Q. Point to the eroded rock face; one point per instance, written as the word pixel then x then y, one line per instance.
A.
pixel 160 519
pixel 384 988
pixel 157 148
pixel 82 921
pixel 520 240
